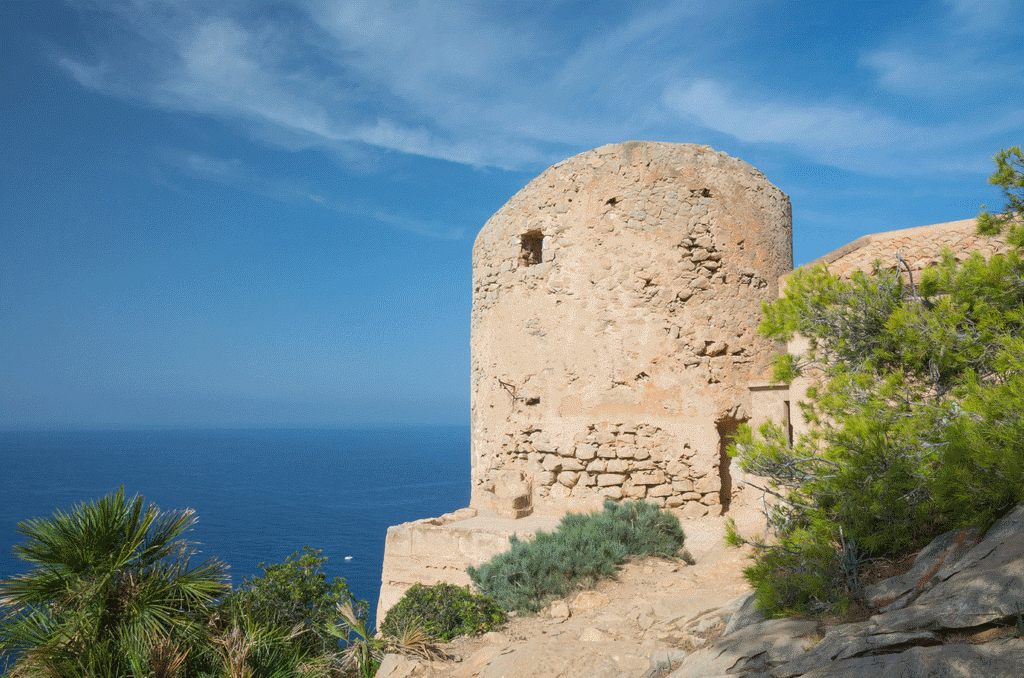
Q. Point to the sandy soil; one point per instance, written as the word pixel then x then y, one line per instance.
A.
pixel 655 605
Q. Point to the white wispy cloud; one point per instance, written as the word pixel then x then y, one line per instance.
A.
pixel 832 135
pixel 953 55
pixel 237 174
pixel 973 16
pixel 952 73
pixel 476 84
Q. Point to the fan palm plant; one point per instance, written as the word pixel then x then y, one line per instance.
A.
pixel 111 584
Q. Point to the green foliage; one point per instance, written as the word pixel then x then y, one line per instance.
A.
pixel 797 575
pixel 444 611
pixel 917 419
pixel 244 648
pixel 1009 175
pixel 112 593
pixel 111 582
pixel 363 652
pixel 295 597
pixel 584 549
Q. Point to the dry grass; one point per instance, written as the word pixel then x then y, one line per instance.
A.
pixel 413 641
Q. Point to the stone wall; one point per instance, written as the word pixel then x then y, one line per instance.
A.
pixel 435 550
pixel 921 247
pixel 615 305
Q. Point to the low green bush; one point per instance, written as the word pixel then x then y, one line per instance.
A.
pixel 295 595
pixel 443 611
pixel 583 549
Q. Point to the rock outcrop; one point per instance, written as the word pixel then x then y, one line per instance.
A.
pixel 958 612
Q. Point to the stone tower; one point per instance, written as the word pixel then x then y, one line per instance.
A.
pixel 616 300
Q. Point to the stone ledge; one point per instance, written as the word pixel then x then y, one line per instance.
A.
pixel 434 550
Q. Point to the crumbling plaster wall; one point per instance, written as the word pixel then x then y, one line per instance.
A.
pixel 604 366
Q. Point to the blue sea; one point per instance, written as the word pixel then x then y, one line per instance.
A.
pixel 259 494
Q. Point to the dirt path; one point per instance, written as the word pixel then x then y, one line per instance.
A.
pixel 655 607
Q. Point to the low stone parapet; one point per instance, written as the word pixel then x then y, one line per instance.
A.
pixel 435 550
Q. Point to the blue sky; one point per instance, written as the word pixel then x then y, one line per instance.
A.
pixel 262 214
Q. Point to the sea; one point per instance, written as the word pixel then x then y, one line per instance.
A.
pixel 259 494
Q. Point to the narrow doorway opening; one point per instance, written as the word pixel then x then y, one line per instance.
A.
pixel 531 248
pixel 788 423
pixel 727 429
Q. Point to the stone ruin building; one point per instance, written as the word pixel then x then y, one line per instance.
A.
pixel 616 300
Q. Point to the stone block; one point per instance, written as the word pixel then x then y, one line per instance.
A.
pixel 660 491
pixel 707 484
pixel 552 463
pixel 612 492
pixel 653 478
pixel 609 479
pixel 596 466
pixel 682 485
pixel 694 509
pixel 545 478
pixel 510 484
pixel 586 451
pixel 634 491
pixel 572 464
pixel 616 466
pixel 678 468
pixel 568 478
pixel 513 507
pixel 560 491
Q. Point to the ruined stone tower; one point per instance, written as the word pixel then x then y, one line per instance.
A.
pixel 615 306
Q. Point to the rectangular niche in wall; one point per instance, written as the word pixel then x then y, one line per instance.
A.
pixel 531 248
pixel 727 430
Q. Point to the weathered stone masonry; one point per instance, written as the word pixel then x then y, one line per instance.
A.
pixel 615 305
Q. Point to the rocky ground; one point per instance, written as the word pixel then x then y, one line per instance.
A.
pixel 657 608
pixel 956 609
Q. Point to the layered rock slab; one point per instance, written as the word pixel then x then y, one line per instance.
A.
pixel 962 585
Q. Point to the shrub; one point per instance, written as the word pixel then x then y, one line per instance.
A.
pixel 111 586
pixel 915 414
pixel 583 549
pixel 444 611
pixel 295 596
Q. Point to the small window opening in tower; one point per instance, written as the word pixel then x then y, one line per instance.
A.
pixel 531 248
